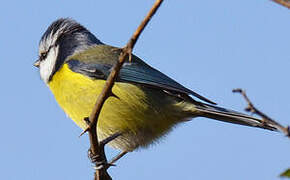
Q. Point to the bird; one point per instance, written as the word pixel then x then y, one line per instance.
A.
pixel 146 105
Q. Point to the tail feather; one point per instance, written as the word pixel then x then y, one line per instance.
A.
pixel 226 115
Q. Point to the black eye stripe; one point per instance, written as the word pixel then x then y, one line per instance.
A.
pixel 43 55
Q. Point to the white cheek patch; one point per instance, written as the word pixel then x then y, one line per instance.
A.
pixel 46 66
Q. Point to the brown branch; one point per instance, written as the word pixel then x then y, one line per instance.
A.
pixel 266 119
pixel 96 148
pixel 285 3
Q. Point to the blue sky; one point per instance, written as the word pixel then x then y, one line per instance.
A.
pixel 210 47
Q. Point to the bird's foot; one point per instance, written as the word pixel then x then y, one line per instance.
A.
pixel 99 159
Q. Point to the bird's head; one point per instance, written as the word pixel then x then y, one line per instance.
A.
pixel 63 38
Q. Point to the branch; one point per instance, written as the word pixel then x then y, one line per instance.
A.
pixel 285 3
pixel 266 119
pixel 97 149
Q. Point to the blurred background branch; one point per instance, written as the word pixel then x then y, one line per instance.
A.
pixel 285 3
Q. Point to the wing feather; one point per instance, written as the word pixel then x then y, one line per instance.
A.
pixel 93 64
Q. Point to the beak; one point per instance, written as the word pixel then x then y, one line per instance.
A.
pixel 37 63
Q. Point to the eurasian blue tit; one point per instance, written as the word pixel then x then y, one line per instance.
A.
pixel 75 64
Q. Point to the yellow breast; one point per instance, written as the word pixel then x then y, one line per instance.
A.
pixel 140 113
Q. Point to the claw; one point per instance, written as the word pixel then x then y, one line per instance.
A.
pixel 96 159
pixel 92 157
pixel 103 165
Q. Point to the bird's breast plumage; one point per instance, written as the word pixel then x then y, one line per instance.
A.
pixel 142 114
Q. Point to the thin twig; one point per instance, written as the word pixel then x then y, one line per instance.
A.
pixel 285 3
pixel 96 150
pixel 119 156
pixel 266 119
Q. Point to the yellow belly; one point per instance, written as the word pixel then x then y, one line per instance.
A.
pixel 140 113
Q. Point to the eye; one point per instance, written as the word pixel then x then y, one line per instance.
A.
pixel 42 56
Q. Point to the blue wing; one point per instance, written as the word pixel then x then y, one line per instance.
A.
pixel 136 71
pixel 139 72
